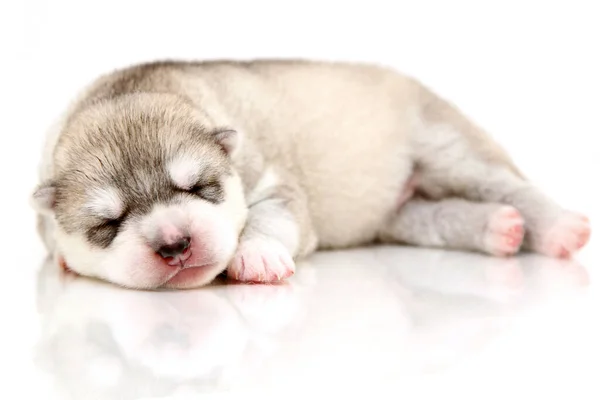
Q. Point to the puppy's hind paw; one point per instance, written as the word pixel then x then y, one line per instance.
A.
pixel 505 232
pixel 568 234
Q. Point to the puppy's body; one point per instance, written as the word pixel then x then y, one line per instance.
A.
pixel 326 155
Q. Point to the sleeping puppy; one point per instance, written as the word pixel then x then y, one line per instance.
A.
pixel 167 174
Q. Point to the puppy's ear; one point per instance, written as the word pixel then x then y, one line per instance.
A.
pixel 44 198
pixel 229 140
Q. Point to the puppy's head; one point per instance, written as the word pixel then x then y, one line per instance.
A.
pixel 144 194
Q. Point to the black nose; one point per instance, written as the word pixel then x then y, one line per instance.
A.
pixel 175 249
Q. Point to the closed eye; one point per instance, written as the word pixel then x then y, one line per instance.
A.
pixel 105 232
pixel 111 223
pixel 211 192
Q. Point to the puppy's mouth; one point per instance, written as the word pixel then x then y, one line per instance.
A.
pixel 180 260
pixel 189 275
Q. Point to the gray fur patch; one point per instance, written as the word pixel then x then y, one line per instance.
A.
pixel 127 144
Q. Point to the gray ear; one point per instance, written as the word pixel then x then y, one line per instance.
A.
pixel 44 198
pixel 228 139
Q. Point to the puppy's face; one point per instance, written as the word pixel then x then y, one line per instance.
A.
pixel 144 199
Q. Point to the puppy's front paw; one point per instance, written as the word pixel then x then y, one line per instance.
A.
pixel 261 260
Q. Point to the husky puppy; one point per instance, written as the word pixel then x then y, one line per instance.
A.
pixel 166 174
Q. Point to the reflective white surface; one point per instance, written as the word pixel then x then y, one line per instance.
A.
pixel 384 318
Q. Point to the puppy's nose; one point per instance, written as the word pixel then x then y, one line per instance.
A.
pixel 174 249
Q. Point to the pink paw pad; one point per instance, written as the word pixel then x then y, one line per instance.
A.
pixel 505 232
pixel 568 235
pixel 261 261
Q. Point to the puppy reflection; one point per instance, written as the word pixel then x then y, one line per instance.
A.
pixel 101 341
pixel 504 280
pixel 456 303
pixel 402 310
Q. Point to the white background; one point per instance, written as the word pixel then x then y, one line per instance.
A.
pixel 527 71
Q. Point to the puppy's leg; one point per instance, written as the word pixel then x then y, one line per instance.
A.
pixel 457 224
pixel 278 229
pixel 456 158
